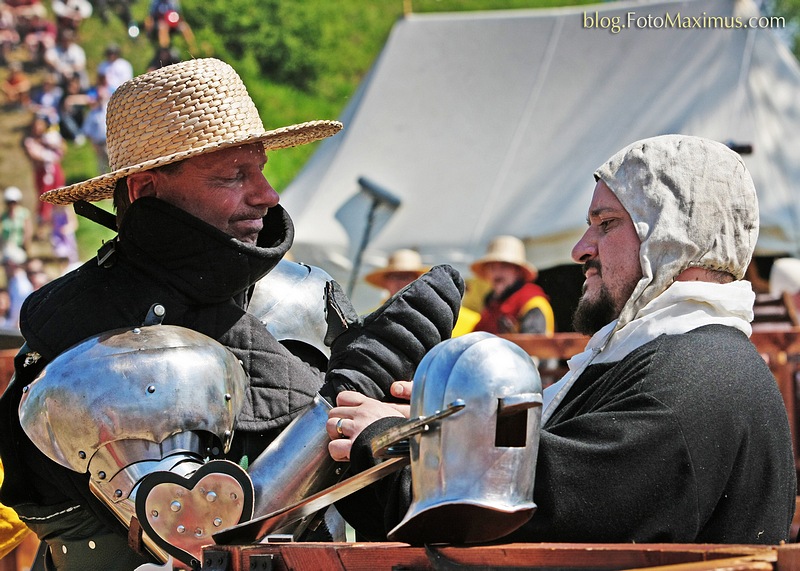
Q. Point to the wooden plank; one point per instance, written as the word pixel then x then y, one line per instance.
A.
pixel 557 346
pixel 388 556
pixel 788 557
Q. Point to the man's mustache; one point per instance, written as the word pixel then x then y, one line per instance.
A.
pixel 593 264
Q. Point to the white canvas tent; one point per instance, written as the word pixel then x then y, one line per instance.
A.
pixel 487 123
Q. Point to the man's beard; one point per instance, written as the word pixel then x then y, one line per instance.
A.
pixel 592 315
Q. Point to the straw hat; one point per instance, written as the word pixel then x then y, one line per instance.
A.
pixel 177 112
pixel 404 260
pixel 508 249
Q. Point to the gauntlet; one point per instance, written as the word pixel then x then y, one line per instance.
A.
pixel 368 354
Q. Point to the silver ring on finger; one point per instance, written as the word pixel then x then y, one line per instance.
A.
pixel 339 428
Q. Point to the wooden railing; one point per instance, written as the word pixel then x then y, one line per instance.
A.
pixel 541 556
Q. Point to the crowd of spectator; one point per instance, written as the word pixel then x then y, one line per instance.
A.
pixel 46 76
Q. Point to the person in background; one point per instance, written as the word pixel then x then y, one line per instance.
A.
pixel 402 268
pixel 163 57
pixel 46 99
pixel 39 35
pixel 114 68
pixel 70 13
pixel 34 269
pixel 9 35
pixel 5 310
pixel 94 125
pixel 16 226
pixel 17 282
pixel 17 86
pixel 72 111
pixel 67 58
pixel 164 18
pixel 669 427
pixel 45 148
pixel 62 236
pixel 515 303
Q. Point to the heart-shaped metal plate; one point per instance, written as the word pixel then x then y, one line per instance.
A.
pixel 180 514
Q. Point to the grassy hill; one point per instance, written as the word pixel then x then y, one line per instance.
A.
pixel 301 60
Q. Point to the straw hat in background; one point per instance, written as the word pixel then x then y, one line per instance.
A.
pixel 508 249
pixel 177 112
pixel 403 261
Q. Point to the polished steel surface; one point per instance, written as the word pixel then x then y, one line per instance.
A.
pixel 296 464
pixel 290 301
pixel 260 527
pixel 123 386
pixel 393 438
pixel 475 468
pixel 123 463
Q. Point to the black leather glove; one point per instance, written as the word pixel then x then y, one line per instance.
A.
pixel 369 354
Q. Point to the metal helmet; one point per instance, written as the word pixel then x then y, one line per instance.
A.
pixel 290 301
pixel 477 399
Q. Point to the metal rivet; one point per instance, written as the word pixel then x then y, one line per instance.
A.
pixel 175 506
pixel 92 544
pixel 151 389
pixel 211 496
pixel 82 455
pixel 159 310
pixel 118 493
pixel 198 532
pixel 234 496
pixel 217 521
pixel 101 475
pixel 227 434
pixel 228 396
pixel 154 513
pixel 181 529
pixel 25 388
pixel 136 331
pixel 64 549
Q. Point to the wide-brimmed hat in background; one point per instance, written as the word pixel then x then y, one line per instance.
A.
pixel 508 249
pixel 400 261
pixel 177 112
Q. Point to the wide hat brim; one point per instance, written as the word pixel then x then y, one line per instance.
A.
pixel 479 267
pixel 378 277
pixel 102 187
pixel 178 112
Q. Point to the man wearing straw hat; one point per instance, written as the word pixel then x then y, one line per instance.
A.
pixel 515 303
pixel 198 225
pixel 669 427
pixel 402 268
